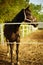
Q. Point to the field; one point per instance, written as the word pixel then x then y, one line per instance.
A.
pixel 30 50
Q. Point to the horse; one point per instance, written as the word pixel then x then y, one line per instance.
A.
pixel 11 32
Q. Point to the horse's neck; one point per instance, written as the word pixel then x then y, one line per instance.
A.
pixel 19 17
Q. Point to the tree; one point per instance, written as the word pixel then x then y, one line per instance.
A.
pixel 9 8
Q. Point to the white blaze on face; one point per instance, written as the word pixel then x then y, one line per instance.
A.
pixel 33 18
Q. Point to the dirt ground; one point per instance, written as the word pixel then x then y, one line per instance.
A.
pixel 30 49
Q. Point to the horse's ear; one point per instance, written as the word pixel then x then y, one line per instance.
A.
pixel 28 9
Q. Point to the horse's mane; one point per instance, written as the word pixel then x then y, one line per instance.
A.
pixel 19 17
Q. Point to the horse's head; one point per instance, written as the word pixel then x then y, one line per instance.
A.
pixel 28 17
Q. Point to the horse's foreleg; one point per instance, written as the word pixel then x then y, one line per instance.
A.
pixel 17 51
pixel 8 47
pixel 11 53
pixel 8 50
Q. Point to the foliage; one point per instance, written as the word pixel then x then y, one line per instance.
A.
pixel 9 8
pixel 35 9
pixel 41 17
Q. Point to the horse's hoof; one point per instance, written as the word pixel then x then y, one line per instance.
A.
pixel 18 63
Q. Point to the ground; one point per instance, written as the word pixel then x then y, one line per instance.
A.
pixel 30 50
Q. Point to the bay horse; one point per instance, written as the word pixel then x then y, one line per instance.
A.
pixel 11 32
